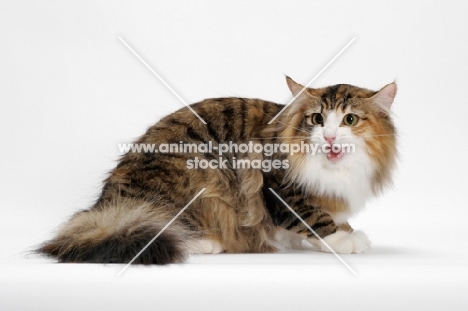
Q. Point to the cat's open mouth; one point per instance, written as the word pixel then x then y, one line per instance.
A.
pixel 334 156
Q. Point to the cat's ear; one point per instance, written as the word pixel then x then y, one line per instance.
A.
pixel 384 98
pixel 294 87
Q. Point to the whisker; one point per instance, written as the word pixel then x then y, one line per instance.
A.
pixel 362 129
pixel 285 124
pixel 378 135
pixel 316 136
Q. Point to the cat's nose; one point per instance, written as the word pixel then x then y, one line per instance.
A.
pixel 330 139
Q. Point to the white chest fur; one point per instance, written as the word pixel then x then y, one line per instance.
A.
pixel 350 179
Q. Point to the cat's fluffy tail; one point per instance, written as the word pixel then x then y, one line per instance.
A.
pixel 116 232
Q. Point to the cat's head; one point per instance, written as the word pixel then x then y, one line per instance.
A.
pixel 351 129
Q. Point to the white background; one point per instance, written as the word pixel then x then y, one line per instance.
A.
pixel 70 91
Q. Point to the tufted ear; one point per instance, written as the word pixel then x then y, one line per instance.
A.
pixel 384 98
pixel 294 87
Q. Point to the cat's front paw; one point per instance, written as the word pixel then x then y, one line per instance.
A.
pixel 343 242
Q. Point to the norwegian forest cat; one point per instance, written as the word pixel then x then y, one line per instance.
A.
pixel 237 212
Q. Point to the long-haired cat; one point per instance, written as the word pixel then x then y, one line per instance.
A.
pixel 237 213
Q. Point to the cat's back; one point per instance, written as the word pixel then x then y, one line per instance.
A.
pixel 160 158
pixel 227 119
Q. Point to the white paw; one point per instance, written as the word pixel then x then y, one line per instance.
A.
pixel 343 242
pixel 204 246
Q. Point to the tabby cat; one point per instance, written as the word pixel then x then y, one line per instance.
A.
pixel 237 212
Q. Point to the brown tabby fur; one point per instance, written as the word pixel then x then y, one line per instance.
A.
pixel 146 190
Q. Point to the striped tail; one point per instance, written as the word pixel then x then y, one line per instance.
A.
pixel 116 232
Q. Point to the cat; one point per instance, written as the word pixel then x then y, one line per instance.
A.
pixel 238 211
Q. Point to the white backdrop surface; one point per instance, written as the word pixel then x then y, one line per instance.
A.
pixel 70 91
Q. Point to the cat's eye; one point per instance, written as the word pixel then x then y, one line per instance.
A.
pixel 350 119
pixel 315 119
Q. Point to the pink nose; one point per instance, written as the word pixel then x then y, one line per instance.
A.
pixel 330 139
